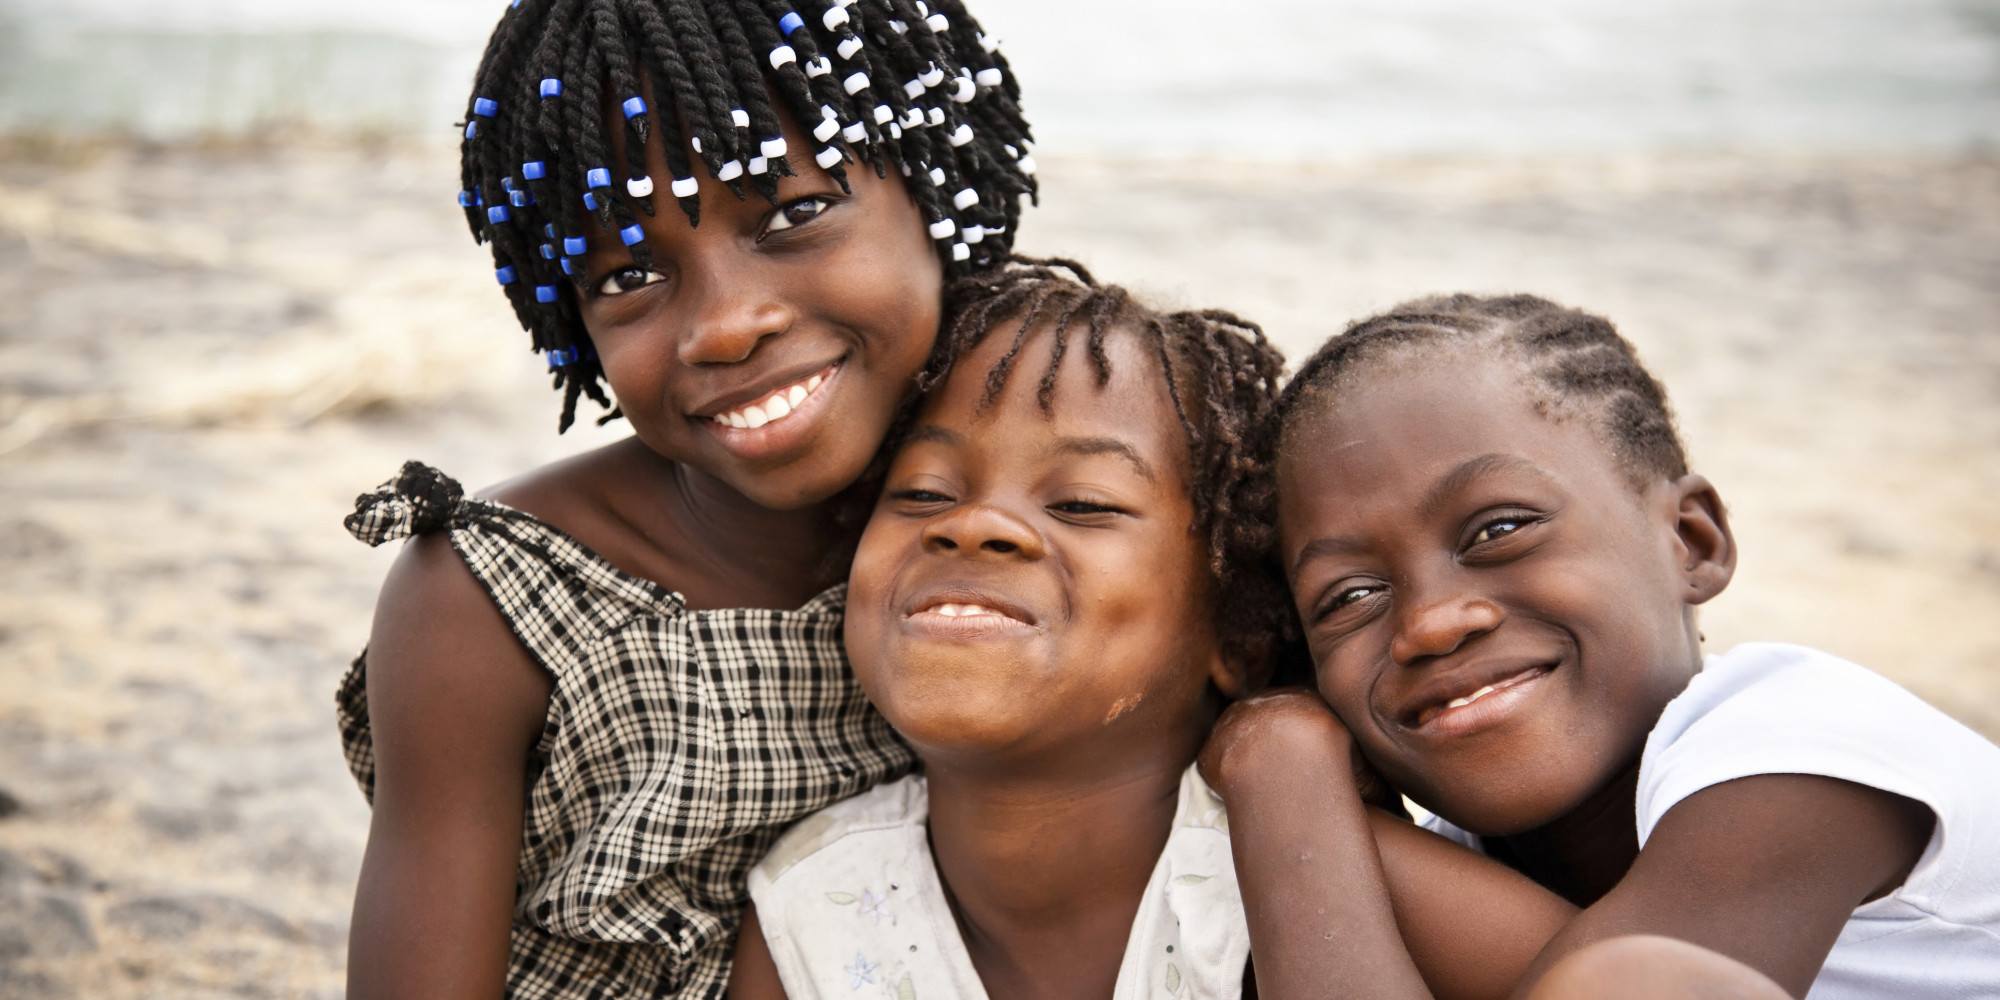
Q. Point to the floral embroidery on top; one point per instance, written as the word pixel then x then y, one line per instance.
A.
pixel 868 904
pixel 862 970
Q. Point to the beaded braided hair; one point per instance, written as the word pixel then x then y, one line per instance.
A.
pixel 912 84
pixel 1221 376
pixel 1575 363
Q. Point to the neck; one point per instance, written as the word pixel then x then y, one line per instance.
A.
pixel 1045 873
pixel 1582 855
pixel 754 548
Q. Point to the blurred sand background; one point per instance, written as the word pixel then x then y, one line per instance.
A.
pixel 209 343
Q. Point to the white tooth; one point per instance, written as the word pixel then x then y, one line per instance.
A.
pixel 1458 703
pixel 796 396
pixel 754 418
pixel 776 408
pixel 813 383
pixel 736 420
pixel 1481 693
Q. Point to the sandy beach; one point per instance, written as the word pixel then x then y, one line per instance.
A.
pixel 206 352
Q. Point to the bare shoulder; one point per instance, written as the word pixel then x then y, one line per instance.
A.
pixel 606 498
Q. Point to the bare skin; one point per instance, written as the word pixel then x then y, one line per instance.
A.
pixel 755 299
pixel 1444 537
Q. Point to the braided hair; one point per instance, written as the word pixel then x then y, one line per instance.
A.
pixel 1575 362
pixel 1221 376
pixel 912 84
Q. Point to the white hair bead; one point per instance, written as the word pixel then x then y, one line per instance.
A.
pixel 827 157
pixel 936 117
pixel 759 165
pixel 695 141
pixel 1027 165
pixel 943 229
pixel 835 17
pixel 960 251
pixel 848 47
pixel 1011 151
pixel 783 54
pixel 974 234
pixel 846 3
pixel 937 177
pixel 988 42
pixel 740 117
pixel 855 84
pixel 895 131
pixel 856 132
pixel 932 77
pixel 965 199
pixel 883 114
pixel 772 148
pixel 639 187
pixel 686 187
pixel 819 67
pixel 961 135
pixel 989 77
pixel 938 23
pixel 730 171
pixel 914 118
pixel 914 88
pixel 899 27
pixel 964 90
pixel 826 129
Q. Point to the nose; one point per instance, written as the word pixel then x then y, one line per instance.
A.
pixel 738 306
pixel 982 531
pixel 1433 626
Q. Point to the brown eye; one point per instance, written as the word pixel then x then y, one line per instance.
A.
pixel 1497 529
pixel 627 279
pixel 795 213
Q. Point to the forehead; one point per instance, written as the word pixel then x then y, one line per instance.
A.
pixel 1133 406
pixel 1379 439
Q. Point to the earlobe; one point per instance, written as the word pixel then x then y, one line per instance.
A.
pixel 1237 676
pixel 1708 546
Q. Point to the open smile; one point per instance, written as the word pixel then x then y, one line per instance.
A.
pixel 773 420
pixel 969 617
pixel 1475 704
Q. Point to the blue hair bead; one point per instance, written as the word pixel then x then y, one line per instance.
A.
pixel 574 246
pixel 485 107
pixel 631 235
pixel 545 293
pixel 471 130
pixel 589 202
pixel 598 177
pixel 497 214
pixel 534 170
pixel 505 275
pixel 568 268
pixel 465 199
pixel 548 251
pixel 551 87
pixel 791 22
pixel 562 357
pixel 634 107
pixel 507 183
pixel 522 199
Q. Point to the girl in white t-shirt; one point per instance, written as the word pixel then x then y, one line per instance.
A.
pixel 1496 551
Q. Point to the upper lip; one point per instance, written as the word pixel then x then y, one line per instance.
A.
pixel 760 389
pixel 1453 683
pixel 960 594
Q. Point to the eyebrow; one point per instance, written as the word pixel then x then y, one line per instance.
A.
pixel 935 435
pixel 1436 497
pixel 1087 446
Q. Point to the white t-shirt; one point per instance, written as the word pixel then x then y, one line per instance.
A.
pixel 1771 708
pixel 852 906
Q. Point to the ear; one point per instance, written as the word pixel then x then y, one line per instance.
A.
pixel 1707 546
pixel 1242 674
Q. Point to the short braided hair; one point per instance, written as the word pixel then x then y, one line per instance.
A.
pixel 1576 363
pixel 909 84
pixel 1221 376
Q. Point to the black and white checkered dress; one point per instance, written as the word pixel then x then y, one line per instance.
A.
pixel 678 745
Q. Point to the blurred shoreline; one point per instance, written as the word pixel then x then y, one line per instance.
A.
pixel 210 348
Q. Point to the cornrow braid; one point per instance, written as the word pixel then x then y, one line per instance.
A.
pixel 912 85
pixel 1576 363
pixel 1222 379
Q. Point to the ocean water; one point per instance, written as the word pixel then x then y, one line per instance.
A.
pixel 1280 79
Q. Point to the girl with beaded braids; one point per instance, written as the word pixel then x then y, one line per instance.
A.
pixel 594 694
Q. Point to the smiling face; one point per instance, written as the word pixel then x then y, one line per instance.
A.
pixel 1494 610
pixel 1031 583
pixel 770 346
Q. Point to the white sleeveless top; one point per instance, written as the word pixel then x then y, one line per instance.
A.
pixel 852 906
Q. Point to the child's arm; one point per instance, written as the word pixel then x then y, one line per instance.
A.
pixel 455 706
pixel 752 973
pixel 1328 913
